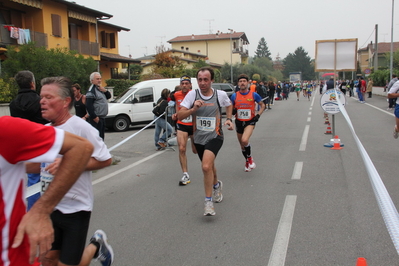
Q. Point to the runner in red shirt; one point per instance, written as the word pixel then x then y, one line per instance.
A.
pixel 24 141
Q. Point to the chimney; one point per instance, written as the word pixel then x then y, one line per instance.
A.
pixel 192 36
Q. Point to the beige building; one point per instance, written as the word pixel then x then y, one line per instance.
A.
pixel 188 59
pixel 60 23
pixel 219 48
pixel 366 55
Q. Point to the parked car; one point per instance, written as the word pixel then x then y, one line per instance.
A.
pixel 227 87
pixel 134 106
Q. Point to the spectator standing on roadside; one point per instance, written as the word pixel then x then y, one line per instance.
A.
pixel 363 87
pixel 244 102
pixel 97 104
pixel 271 91
pixel 391 100
pixel 205 105
pixel 24 235
pixel 393 93
pixel 162 123
pixel 369 88
pixel 184 129
pixel 79 102
pixel 71 217
pixel 27 105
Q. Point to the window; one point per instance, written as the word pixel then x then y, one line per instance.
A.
pixel 108 40
pixel 114 73
pixel 112 40
pixel 104 39
pixel 144 95
pixel 56 24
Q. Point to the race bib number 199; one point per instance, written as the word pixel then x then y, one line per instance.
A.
pixel 206 123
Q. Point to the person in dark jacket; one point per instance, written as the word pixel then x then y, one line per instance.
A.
pixel 161 123
pixel 27 105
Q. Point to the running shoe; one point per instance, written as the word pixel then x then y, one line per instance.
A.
pixel 209 209
pixel 105 252
pixel 251 163
pixel 395 133
pixel 217 193
pixel 184 180
pixel 247 168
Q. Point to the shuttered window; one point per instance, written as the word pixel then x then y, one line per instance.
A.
pixel 112 40
pixel 104 40
pixel 56 24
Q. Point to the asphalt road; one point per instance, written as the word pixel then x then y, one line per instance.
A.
pixel 304 204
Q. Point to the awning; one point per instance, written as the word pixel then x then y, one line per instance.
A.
pixel 33 3
pixel 80 16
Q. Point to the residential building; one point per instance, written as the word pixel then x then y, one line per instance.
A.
pixel 366 55
pixel 188 59
pixel 60 23
pixel 219 48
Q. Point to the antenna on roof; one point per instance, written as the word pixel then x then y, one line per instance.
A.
pixel 210 28
pixel 162 37
pixel 145 50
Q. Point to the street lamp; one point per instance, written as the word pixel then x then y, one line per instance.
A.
pixel 231 58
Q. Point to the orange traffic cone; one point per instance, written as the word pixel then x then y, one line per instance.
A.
pixel 328 131
pixel 326 121
pixel 337 144
pixel 361 262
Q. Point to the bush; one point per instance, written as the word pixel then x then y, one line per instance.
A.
pixel 380 77
pixel 8 90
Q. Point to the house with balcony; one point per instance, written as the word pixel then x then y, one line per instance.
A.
pixel 188 59
pixel 366 55
pixel 219 48
pixel 60 23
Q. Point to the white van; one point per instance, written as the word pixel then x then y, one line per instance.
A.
pixel 134 106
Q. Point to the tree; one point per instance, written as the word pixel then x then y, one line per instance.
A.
pixel 166 65
pixel 48 63
pixel 262 50
pixel 299 61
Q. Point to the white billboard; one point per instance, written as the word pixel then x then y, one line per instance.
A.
pixel 336 55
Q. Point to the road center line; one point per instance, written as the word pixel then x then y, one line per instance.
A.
pixel 280 246
pixel 296 174
pixel 304 140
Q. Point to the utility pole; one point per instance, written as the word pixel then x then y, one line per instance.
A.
pixel 391 59
pixel 376 49
pixel 231 57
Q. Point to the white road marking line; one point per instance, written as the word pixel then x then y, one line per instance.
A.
pixel 308 120
pixel 304 140
pixel 280 246
pixel 296 174
pixel 126 168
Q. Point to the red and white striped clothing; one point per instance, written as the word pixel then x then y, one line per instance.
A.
pixel 20 141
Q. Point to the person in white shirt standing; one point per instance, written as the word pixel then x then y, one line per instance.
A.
pixel 71 216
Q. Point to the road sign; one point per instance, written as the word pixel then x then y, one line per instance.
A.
pixel 367 71
pixel 329 103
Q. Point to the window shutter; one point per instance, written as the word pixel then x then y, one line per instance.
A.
pixel 56 24
pixel 112 40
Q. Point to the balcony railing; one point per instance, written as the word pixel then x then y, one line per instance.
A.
pixel 39 38
pixel 84 47
pixel 241 51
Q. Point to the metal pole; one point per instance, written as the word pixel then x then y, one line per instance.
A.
pixel 231 57
pixel 391 59
pixel 333 125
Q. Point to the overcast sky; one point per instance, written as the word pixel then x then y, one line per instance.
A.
pixel 285 24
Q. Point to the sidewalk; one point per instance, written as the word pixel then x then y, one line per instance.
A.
pixel 379 91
